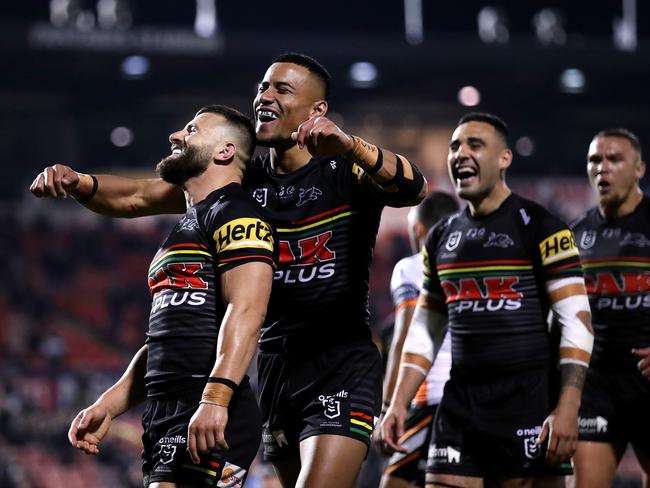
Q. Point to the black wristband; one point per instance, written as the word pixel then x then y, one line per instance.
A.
pixel 224 381
pixel 90 196
pixel 377 166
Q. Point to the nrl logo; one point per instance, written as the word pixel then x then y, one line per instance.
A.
pixel 260 196
pixel 167 452
pixel 532 449
pixel 588 239
pixel 332 406
pixel 453 240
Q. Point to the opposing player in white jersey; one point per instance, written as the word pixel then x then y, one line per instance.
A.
pixel 407 468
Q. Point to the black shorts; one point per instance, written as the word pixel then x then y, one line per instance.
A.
pixel 165 456
pixel 333 391
pixel 616 409
pixel 489 428
pixel 411 465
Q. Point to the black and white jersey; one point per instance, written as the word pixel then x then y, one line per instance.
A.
pixel 326 215
pixel 616 258
pixel 225 230
pixel 491 273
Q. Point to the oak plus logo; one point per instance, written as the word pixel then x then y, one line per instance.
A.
pixel 482 295
pixel 306 259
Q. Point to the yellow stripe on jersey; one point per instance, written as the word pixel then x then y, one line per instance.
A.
pixel 557 247
pixel 243 233
pixel 316 224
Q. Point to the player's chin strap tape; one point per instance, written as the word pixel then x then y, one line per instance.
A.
pixel 407 189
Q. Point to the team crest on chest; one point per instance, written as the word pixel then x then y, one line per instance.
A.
pixel 260 196
pixel 588 239
pixel 453 240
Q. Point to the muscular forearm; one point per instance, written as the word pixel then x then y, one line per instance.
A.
pixel 572 380
pixel 125 197
pixel 238 337
pixel 412 371
pixel 402 319
pixel 129 390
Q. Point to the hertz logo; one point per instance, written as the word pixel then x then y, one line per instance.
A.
pixel 560 245
pixel 244 233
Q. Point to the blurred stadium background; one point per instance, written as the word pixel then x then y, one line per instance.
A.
pixel 99 84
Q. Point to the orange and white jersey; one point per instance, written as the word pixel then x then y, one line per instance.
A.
pixel 405 286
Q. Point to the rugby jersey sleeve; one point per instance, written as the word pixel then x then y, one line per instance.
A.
pixel 239 234
pixel 431 281
pixel 402 288
pixel 558 252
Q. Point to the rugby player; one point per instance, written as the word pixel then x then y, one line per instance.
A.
pixel 614 242
pixel 407 467
pixel 210 283
pixel 324 189
pixel 491 274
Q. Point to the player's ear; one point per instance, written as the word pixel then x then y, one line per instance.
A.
pixel 505 159
pixel 226 153
pixel 319 109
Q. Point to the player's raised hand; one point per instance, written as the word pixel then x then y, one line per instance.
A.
pixel 206 430
pixel 88 428
pixel 56 181
pixel 322 137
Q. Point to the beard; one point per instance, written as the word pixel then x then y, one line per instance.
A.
pixel 190 163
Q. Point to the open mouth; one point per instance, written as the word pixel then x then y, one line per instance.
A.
pixel 604 186
pixel 464 175
pixel 265 115
pixel 176 150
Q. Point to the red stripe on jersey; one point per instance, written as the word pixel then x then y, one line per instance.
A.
pixel 362 415
pixel 321 215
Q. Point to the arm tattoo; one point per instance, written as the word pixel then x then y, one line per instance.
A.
pixel 573 375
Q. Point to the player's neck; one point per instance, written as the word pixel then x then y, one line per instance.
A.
pixel 198 188
pixel 617 210
pixel 490 202
pixel 287 160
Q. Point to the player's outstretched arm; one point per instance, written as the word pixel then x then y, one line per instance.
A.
pixel 423 341
pixel 570 307
pixel 90 425
pixel 109 195
pixel 246 290
pixel 400 179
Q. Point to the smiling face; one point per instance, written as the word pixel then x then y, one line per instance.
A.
pixel 288 95
pixel 192 149
pixel 614 169
pixel 477 157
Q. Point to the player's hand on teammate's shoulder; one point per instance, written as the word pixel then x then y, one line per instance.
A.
pixel 560 431
pixel 206 430
pixel 644 360
pixel 322 137
pixel 392 428
pixel 56 181
pixel 88 428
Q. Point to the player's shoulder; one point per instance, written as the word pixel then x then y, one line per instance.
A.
pixel 231 202
pixel 532 215
pixel 588 218
pixel 408 266
pixel 445 225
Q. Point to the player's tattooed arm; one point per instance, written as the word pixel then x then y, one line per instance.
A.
pixel 573 375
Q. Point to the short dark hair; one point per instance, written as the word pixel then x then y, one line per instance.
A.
pixel 311 64
pixel 435 206
pixel 487 118
pixel 241 122
pixel 624 133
